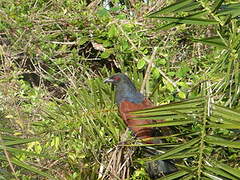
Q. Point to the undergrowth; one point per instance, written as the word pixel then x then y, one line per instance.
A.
pixel 59 117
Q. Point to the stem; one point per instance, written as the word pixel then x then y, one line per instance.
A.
pixel 148 71
pixel 203 131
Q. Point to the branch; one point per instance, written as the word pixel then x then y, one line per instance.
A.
pixel 148 71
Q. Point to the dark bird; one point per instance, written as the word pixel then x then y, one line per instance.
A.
pixel 128 98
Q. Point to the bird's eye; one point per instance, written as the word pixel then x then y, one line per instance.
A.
pixel 116 78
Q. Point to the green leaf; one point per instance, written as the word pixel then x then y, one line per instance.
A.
pixel 167 123
pixel 175 175
pixel 107 43
pixel 28 167
pixel 209 175
pixel 141 63
pixel 112 32
pixel 189 7
pixel 106 53
pixel 213 41
pixel 182 95
pixel 219 119
pixel 182 71
pixel 217 5
pixel 178 112
pixel 186 104
pixel 226 113
pixel 155 73
pixel 185 20
pixel 183 155
pixel 169 86
pixel 222 142
pixel 19 141
pixel 233 11
pixel 102 12
pixel 15 150
pixel 183 84
pixel 233 171
pixel 164 116
pixel 171 7
pixel 224 126
pixel 171 25
pixel 83 40
pixel 171 73
pixel 220 172
pixel 174 151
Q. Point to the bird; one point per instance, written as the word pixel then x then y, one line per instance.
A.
pixel 128 99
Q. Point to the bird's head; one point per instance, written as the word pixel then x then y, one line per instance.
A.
pixel 125 89
pixel 117 79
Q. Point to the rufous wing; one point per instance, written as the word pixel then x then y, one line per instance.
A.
pixel 141 132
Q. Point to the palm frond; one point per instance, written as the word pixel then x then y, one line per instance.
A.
pixel 199 148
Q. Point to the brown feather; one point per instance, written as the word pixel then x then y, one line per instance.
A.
pixel 141 132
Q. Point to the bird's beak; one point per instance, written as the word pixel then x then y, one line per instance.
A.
pixel 108 80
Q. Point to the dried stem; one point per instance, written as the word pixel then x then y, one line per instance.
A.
pixel 148 71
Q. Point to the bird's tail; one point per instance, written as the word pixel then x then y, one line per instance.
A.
pixel 158 168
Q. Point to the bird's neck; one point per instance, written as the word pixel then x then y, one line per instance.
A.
pixel 128 92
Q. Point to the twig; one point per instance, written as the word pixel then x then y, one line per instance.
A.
pixel 148 71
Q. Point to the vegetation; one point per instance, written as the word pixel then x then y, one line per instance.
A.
pixel 58 118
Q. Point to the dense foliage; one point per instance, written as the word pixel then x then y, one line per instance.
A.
pixel 58 118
